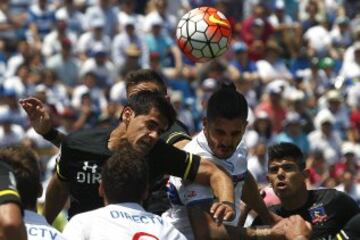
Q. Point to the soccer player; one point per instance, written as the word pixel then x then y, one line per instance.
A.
pixel 11 222
pixel 220 141
pixel 136 81
pixel 27 174
pixel 82 155
pixel 124 185
pixel 328 210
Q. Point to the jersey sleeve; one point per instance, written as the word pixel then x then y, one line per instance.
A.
pixel 173 161
pixel 8 192
pixel 62 162
pixel 188 194
pixel 176 133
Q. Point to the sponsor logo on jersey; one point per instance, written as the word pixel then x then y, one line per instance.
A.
pixel 143 219
pixel 318 215
pixel 41 233
pixel 89 175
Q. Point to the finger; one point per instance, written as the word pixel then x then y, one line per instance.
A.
pixel 219 212
pixel 229 216
pixel 214 207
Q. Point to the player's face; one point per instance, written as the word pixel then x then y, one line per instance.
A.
pixel 286 178
pixel 223 135
pixel 143 131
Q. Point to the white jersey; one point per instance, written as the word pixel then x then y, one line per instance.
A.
pixel 37 228
pixel 126 221
pixel 185 194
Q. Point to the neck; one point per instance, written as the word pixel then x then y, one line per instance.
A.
pixel 296 201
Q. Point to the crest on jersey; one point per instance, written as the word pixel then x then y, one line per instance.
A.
pixel 318 215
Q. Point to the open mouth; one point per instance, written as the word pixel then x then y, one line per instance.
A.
pixel 281 185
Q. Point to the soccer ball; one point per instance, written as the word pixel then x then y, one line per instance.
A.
pixel 203 34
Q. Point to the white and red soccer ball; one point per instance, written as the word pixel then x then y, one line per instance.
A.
pixel 203 34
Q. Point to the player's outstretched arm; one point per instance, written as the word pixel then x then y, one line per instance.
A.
pixel 57 194
pixel 39 116
pixel 222 186
pixel 252 198
pixel 11 223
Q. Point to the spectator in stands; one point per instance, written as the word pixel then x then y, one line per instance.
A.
pixel 95 34
pixel 103 9
pixel 75 18
pixel 52 41
pixel 66 65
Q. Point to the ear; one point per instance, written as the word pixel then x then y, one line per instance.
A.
pixel 101 190
pixel 146 193
pixel 127 114
pixel 268 179
pixel 205 123
pixel 244 126
pixel 306 173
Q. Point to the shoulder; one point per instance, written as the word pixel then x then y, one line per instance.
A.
pixel 176 132
pixel 332 195
pixel 86 140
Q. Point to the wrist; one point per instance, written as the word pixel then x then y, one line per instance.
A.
pixel 51 134
pixel 262 233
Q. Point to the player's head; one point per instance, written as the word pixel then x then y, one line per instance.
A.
pixel 27 173
pixel 144 79
pixel 225 121
pixel 125 176
pixel 147 115
pixel 286 170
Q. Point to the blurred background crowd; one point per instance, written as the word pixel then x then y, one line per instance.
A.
pixel 296 61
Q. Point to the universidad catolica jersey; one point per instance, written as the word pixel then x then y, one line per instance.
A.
pixel 182 194
pixel 125 221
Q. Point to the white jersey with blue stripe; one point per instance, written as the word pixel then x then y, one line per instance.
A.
pixel 126 221
pixel 37 228
pixel 184 194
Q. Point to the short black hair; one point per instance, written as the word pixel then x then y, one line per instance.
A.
pixel 125 175
pixel 136 77
pixel 142 103
pixel 287 150
pixel 24 162
pixel 227 103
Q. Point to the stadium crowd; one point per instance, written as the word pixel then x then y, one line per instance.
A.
pixel 296 62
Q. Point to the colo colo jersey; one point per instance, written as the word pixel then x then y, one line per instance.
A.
pixel 8 192
pixel 189 194
pixel 125 221
pixel 328 210
pixel 37 228
pixel 83 154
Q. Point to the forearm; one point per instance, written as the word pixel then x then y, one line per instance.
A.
pixel 252 198
pixel 11 224
pixel 219 181
pixel 256 233
pixel 56 197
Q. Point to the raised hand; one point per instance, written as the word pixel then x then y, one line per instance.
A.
pixel 38 114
